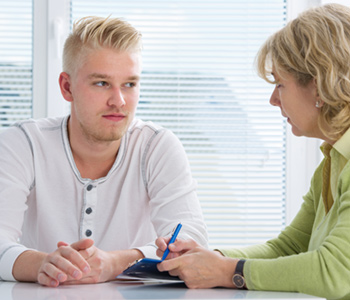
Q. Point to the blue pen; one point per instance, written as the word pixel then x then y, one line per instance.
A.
pixel 172 240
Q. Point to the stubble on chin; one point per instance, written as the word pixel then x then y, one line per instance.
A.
pixel 103 135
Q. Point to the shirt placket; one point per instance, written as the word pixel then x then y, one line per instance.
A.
pixel 89 211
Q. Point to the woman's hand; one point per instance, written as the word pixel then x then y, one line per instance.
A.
pixel 201 268
pixel 178 248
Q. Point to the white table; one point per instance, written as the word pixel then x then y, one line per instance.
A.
pixel 114 290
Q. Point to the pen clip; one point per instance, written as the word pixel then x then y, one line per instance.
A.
pixel 173 231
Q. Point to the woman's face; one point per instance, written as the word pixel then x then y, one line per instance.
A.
pixel 297 104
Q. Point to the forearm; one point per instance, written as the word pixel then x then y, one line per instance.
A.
pixel 314 273
pixel 27 265
pixel 292 240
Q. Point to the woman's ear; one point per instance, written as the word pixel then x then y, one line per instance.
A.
pixel 319 102
pixel 65 86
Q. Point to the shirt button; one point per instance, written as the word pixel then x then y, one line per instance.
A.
pixel 88 210
pixel 88 232
pixel 89 187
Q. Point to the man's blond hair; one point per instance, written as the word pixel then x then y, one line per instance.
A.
pixel 91 33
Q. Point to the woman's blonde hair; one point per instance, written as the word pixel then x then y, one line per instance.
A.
pixel 91 33
pixel 316 45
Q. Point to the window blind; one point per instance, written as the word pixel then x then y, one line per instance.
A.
pixel 15 61
pixel 199 81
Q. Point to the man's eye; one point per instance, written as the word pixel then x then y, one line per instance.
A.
pixel 130 84
pixel 101 83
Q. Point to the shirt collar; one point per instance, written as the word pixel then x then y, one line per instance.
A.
pixel 342 145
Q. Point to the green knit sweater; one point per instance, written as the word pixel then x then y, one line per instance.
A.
pixel 312 255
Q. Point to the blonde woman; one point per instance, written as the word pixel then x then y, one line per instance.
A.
pixel 309 63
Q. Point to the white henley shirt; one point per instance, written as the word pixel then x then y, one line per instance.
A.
pixel 43 198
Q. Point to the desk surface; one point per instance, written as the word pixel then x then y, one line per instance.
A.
pixel 114 290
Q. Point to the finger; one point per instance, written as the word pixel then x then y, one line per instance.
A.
pixel 87 253
pixel 50 274
pixel 84 280
pixel 45 280
pixel 61 244
pixel 71 262
pixel 159 253
pixel 59 268
pixel 162 243
pixel 181 245
pixel 175 272
pixel 82 244
pixel 170 265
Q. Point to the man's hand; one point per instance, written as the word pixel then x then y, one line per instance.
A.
pixel 178 248
pixel 80 262
pixel 63 264
pixel 201 268
pixel 103 265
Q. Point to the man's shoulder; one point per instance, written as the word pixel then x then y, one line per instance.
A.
pixel 32 126
pixel 42 124
pixel 141 132
pixel 146 127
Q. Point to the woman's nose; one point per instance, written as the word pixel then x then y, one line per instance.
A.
pixel 274 99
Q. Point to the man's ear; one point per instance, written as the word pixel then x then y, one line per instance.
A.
pixel 65 86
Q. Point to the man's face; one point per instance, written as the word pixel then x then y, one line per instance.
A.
pixel 105 91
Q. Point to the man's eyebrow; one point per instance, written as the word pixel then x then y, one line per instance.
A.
pixel 99 76
pixel 134 78
pixel 105 76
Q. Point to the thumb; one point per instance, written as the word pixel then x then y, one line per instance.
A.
pixel 82 244
pixel 61 243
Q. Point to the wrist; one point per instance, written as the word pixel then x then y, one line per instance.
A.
pixel 229 266
pixel 238 277
pixel 123 258
pixel 27 265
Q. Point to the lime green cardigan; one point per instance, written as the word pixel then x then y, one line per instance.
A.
pixel 312 255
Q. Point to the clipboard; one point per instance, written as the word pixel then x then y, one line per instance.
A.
pixel 146 269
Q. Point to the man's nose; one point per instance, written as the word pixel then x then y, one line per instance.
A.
pixel 116 98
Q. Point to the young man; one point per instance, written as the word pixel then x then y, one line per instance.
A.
pixel 88 194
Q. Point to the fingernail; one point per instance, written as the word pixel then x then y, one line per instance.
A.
pixel 60 277
pixel 76 274
pixel 86 269
pixel 53 283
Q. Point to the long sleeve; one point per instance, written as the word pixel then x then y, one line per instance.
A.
pixel 293 239
pixel 172 190
pixel 16 178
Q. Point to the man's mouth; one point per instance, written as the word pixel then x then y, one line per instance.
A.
pixel 116 117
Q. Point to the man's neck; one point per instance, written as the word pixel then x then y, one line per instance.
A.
pixel 93 159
